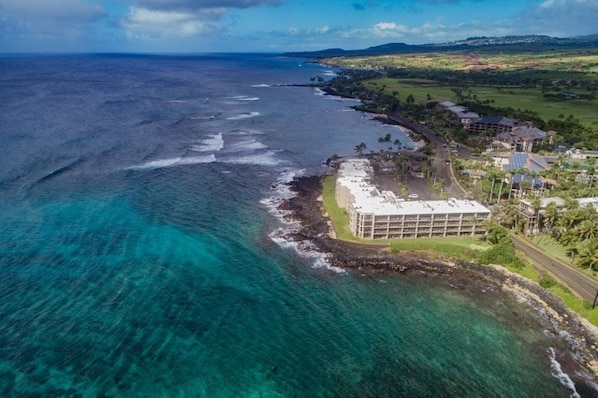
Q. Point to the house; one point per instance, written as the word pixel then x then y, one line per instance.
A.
pixel 535 213
pixel 579 154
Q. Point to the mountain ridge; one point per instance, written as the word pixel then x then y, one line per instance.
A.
pixel 524 42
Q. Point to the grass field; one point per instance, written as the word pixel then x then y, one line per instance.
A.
pixel 518 98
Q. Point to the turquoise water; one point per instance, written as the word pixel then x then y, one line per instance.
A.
pixel 137 259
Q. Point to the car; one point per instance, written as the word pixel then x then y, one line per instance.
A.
pixel 413 196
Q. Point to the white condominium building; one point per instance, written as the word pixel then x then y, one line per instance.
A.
pixel 377 214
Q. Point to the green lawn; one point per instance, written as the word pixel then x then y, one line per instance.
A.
pixel 518 98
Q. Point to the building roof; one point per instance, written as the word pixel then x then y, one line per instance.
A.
pixel 368 199
pixel 544 202
pixel 446 104
pixel 583 202
pixel 499 120
pixel 528 161
pixel 522 133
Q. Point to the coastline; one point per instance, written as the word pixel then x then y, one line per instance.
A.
pixel 305 209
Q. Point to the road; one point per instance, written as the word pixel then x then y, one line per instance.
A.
pixel 440 157
pixel 580 284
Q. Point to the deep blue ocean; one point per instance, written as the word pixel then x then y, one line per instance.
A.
pixel 141 253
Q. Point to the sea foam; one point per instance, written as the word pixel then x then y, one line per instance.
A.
pixel 212 144
pixel 267 158
pixel 245 115
pixel 169 162
pixel 283 236
pixel 562 377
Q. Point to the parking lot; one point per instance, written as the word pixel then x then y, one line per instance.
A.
pixel 417 186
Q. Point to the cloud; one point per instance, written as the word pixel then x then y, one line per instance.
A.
pixel 295 31
pixel 143 23
pixel 55 11
pixel 164 19
pixel 560 18
pixel 192 5
pixel 47 25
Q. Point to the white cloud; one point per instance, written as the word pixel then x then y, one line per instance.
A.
pixel 322 30
pixel 385 26
pixel 190 5
pixel 48 25
pixel 143 23
pixel 55 11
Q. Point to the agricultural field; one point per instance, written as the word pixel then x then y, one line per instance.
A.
pixel 567 60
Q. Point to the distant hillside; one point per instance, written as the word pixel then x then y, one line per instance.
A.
pixel 507 43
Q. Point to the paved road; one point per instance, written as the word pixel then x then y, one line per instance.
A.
pixel 441 156
pixel 580 284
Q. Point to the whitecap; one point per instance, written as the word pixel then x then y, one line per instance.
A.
pixel 245 98
pixel 245 115
pixel 267 158
pixel 196 160
pixel 169 162
pixel 321 93
pixel 212 144
pixel 246 132
pixel 246 145
pixel 562 377
pixel 260 85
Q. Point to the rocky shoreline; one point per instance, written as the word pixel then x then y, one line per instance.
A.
pixel 305 208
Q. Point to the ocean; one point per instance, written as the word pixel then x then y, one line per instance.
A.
pixel 142 252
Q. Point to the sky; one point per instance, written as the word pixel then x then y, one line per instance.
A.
pixel 198 26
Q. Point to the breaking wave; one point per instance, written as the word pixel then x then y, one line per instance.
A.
pixel 212 144
pixel 244 115
pixel 170 162
pixel 283 236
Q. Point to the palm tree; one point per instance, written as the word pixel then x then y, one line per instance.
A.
pixel 588 253
pixel 591 169
pixel 587 230
pixel 523 187
pixel 360 148
pixel 502 180
pixel 551 214
pixel 397 142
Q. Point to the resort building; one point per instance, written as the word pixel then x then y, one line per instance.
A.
pixel 493 125
pixel 375 214
pixel 457 114
pixel 521 138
